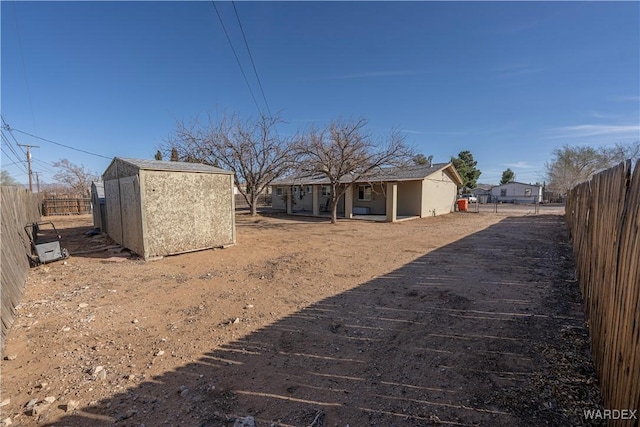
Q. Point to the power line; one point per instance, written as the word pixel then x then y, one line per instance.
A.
pixel 17 162
pixel 45 165
pixel 57 143
pixel 251 57
pixel 11 164
pixel 5 126
pixel 10 145
pixel 236 56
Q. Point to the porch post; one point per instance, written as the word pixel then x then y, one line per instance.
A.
pixel 392 201
pixel 316 199
pixel 289 200
pixel 348 202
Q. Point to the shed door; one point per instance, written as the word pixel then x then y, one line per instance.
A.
pixel 131 212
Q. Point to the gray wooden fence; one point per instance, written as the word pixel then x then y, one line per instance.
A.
pixel 18 207
pixel 603 215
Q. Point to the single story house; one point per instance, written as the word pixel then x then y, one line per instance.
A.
pixel 517 192
pixel 394 193
pixel 157 208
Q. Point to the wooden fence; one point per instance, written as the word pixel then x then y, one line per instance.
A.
pixel 66 206
pixel 603 216
pixel 19 207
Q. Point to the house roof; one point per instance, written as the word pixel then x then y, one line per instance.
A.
pixel 520 183
pixel 159 165
pixel 407 173
pixel 486 187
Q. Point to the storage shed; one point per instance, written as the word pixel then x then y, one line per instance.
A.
pixel 157 208
pixel 98 207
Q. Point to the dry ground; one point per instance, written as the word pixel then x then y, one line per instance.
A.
pixel 463 319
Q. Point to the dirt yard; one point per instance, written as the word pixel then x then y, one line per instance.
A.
pixel 463 319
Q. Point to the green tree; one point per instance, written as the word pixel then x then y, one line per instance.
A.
pixel 507 176
pixel 466 167
pixel 7 179
pixel 422 160
pixel 158 155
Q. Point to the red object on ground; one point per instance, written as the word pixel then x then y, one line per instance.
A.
pixel 463 204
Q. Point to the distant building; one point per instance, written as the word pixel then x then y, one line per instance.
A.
pixel 483 193
pixel 516 192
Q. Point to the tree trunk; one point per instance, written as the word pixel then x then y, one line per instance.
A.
pixel 334 210
pixel 253 205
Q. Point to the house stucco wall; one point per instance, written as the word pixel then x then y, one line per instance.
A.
pixel 279 201
pixel 304 204
pixel 186 211
pixel 409 197
pixel 302 198
pixel 378 203
pixel 438 194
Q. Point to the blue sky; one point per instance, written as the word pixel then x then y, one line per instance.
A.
pixel 508 81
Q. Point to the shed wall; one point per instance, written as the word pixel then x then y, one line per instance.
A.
pixel 132 214
pixel 112 198
pixel 119 169
pixel 185 211
pixel 124 213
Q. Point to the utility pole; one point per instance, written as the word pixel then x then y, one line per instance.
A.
pixel 29 163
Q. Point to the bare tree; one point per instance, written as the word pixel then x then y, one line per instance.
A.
pixel 75 177
pixel 621 152
pixel 345 152
pixel 573 165
pixel 252 149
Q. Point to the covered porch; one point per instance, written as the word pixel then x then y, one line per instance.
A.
pixel 381 202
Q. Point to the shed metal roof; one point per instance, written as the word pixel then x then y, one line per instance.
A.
pixel 99 186
pixel 159 165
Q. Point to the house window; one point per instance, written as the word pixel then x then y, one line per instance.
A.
pixel 326 190
pixel 503 192
pixel 527 192
pixel 309 189
pixel 279 191
pixel 364 193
